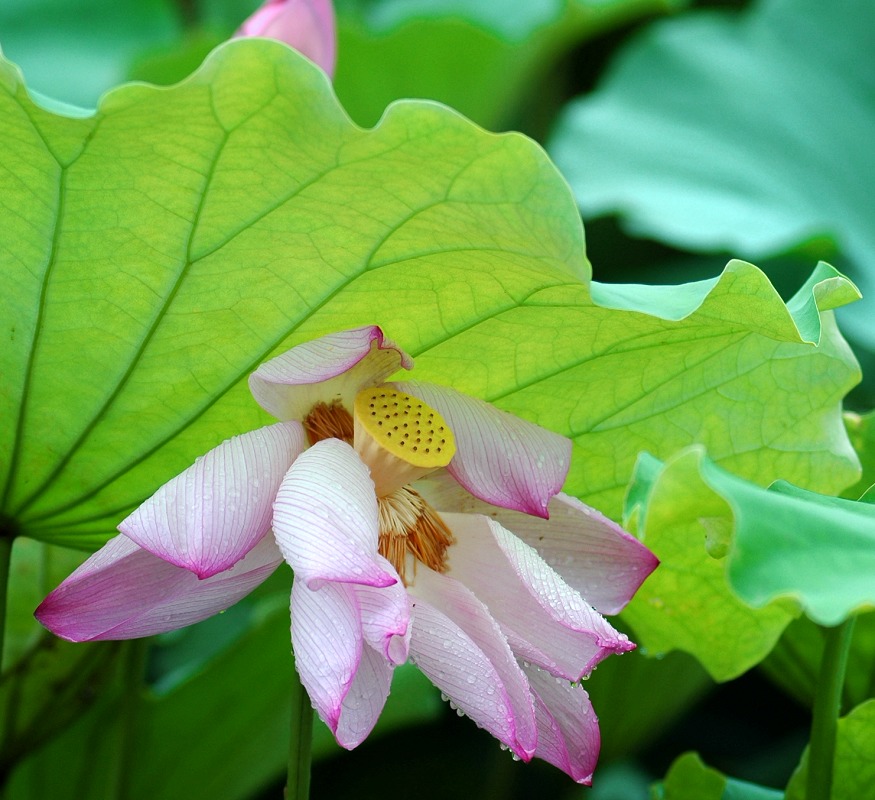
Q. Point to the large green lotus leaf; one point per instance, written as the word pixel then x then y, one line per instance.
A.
pixel 158 251
pixel 739 132
pixel 656 368
pixel 688 604
pixel 854 763
pixel 479 56
pixel 689 779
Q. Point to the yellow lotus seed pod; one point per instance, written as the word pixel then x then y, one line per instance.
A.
pixel 406 427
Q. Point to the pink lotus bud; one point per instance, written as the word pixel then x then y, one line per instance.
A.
pixel 306 25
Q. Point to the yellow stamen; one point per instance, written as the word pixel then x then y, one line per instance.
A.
pixel 410 526
pixel 399 437
pixel 328 422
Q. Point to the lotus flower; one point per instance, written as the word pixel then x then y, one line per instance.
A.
pixel 394 503
pixel 306 25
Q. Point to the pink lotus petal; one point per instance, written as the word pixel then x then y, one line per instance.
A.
pixel 500 458
pixel 212 514
pixel 568 731
pixel 347 680
pixel 125 592
pixel 385 617
pixel 365 699
pixel 306 25
pixel 332 368
pixel 590 552
pixel 546 622
pixel 462 651
pixel 325 518
pixel 327 642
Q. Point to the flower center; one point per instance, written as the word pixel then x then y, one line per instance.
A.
pixel 399 437
pixel 411 527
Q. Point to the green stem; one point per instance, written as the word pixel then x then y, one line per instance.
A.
pixel 827 706
pixel 5 560
pixel 298 783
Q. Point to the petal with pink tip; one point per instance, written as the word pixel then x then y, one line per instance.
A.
pixel 590 552
pixel 327 370
pixel 500 458
pixel 462 651
pixel 365 699
pixel 325 518
pixel 306 25
pixel 327 642
pixel 125 592
pixel 212 514
pixel 385 617
pixel 568 731
pixel 544 619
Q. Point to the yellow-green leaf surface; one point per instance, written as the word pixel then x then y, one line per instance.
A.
pixel 854 764
pixel 158 251
pixel 722 362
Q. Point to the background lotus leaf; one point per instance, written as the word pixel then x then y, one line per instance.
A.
pixel 738 131
pixel 738 560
